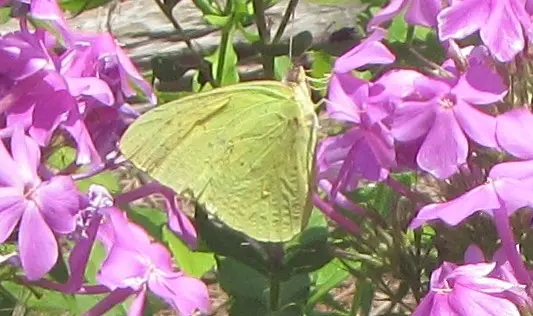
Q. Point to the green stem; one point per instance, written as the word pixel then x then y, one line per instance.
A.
pixel 264 35
pixel 202 65
pixel 289 11
pixel 224 42
pixel 274 293
pixel 410 35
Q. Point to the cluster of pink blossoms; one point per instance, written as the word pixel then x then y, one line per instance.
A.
pixel 405 120
pixel 59 86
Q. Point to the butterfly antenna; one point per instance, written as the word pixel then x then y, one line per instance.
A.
pixel 291 37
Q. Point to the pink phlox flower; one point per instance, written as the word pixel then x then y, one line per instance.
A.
pixel 36 96
pixel 100 56
pixel 508 188
pixel 365 150
pixel 43 208
pixel 503 25
pixel 467 290
pixel 418 12
pixel 136 262
pixel 503 270
pixel 443 112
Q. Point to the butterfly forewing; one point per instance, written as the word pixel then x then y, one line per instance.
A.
pixel 243 151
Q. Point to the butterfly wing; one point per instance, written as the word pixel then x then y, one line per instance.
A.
pixel 243 151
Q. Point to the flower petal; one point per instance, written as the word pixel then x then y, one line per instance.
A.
pixel 37 244
pixel 184 293
pixel 59 201
pixel 137 306
pixel 180 224
pixel 27 154
pixel 455 211
pixel 480 85
pixel 484 284
pixel 474 254
pixel 514 194
pixel 9 169
pixel 465 301
pixel 480 127
pixel 445 147
pixel 91 87
pixel 387 13
pixel 423 12
pixel 340 104
pixel 463 18
pixel 513 169
pixel 425 306
pixel 413 120
pixel 370 51
pixel 11 208
pixel 122 268
pixel 514 133
pixel 502 32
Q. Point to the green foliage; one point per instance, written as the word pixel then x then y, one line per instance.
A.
pixel 194 263
pixel 78 6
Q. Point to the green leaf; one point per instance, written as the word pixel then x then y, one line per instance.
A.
pixel 422 33
pixel 45 302
pixel 106 179
pixel 78 5
pixel 240 280
pixel 282 65
pixel 194 263
pixel 322 64
pixel 59 272
pixel 151 219
pixel 4 15
pixel 362 300
pixel 207 7
pixel 325 279
pixel 225 54
pixel 246 284
pixel 217 20
pixel 397 32
pixel 62 157
pixel 247 307
pixel 309 250
pixel 96 258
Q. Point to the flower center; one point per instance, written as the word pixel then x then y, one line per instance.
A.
pixel 29 189
pixel 448 101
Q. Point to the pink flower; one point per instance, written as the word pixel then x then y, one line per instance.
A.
pixel 366 150
pixel 443 112
pixel 503 24
pixel 100 56
pixel 43 208
pixel 137 263
pixel 468 290
pixel 508 188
